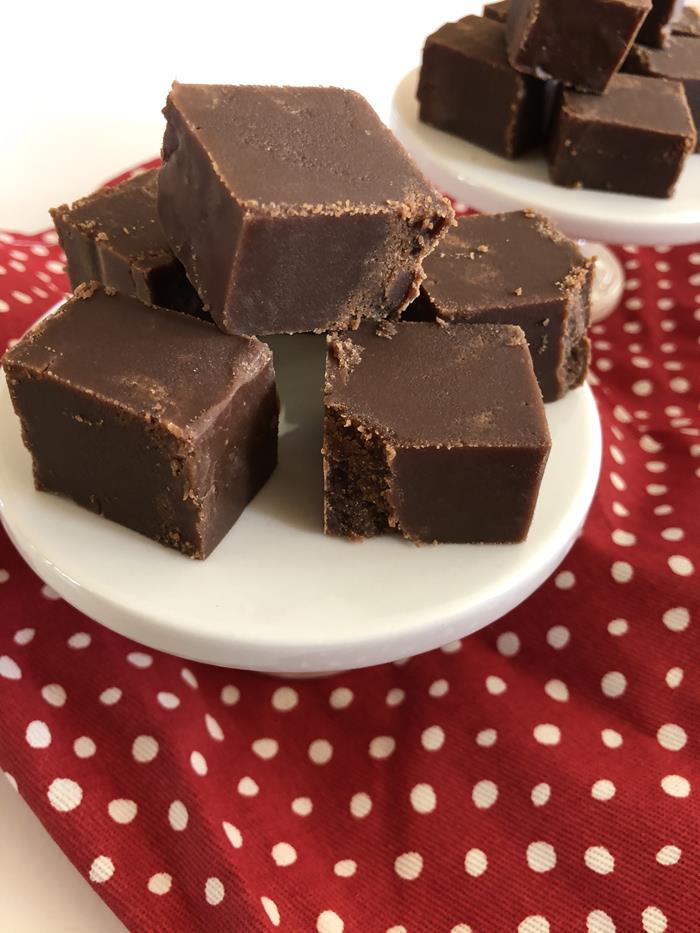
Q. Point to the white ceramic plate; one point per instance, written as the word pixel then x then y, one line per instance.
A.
pixel 277 595
pixel 488 182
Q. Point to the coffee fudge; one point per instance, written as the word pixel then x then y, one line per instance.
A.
pixel 633 139
pixel 155 420
pixel 114 237
pixel 468 88
pixel 687 24
pixel 658 23
pixel 679 61
pixel 438 433
pixel 498 11
pixel 579 44
pixel 515 268
pixel 293 209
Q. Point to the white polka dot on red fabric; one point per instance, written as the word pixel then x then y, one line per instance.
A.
pixel 24 635
pixel 101 869
pixel 654 920
pixel 285 699
pixel 79 640
pixel 65 794
pixel 214 891
pixel 508 644
pixel 611 738
pixel 360 805
pixel 271 909
pixel 409 865
pixel 230 695
pixel 664 509
pixel 283 854
pixel 49 593
pixel 341 697
pixel 496 685
pixel 213 728
pixel 613 684
pixel 557 690
pixel 265 748
pixel 599 859
pixel 22 297
pixel 54 694
pixel 247 787
pixel 382 747
pixel 475 862
pixel 541 857
pixel 55 267
pixel 558 637
pixel 329 922
pixel 618 627
pixel 395 696
pixel 320 751
pixel 599 922
pixel 139 659
pixel 122 810
pixel 673 534
pixel 302 806
pixel 199 763
pixel 681 565
pixel 345 868
pixel 668 855
pixel 160 883
pixel 620 510
pixel 649 445
pixel 9 668
pixel 423 799
pixel 679 384
pixel 547 733
pixel 656 489
pixel 675 785
pixel 38 734
pixel 84 747
pixel 189 678
pixel 486 738
pixel 168 700
pixel 540 794
pixel 178 817
pixel 439 688
pixel 484 794
pixel 671 736
pixel 618 482
pixel 621 571
pixel 535 923
pixel 452 647
pixel 674 677
pixel 110 696
pixel 603 790
pixel 144 749
pixel 433 738
pixel 623 538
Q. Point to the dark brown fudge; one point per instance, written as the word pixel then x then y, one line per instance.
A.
pixel 581 44
pixel 155 420
pixel 468 88
pixel 438 433
pixel 293 209
pixel 114 237
pixel 634 139
pixel 679 61
pixel 515 269
pixel 657 26
pixel 687 24
pixel 498 11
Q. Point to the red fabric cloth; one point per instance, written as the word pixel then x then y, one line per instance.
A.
pixel 543 775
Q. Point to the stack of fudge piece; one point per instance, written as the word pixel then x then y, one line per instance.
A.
pixel 149 398
pixel 577 78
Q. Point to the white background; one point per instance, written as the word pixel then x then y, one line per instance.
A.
pixel 81 88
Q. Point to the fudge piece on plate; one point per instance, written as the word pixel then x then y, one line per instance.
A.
pixel 468 88
pixel 155 420
pixel 114 236
pixel 580 44
pixel 515 268
pixel 438 433
pixel 633 139
pixel 293 209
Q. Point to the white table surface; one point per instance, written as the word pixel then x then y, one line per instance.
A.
pixel 81 88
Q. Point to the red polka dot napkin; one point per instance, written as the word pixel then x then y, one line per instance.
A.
pixel 542 776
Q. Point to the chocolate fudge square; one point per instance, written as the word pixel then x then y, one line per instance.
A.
pixel 581 44
pixel 515 268
pixel 114 237
pixel 155 420
pixel 468 88
pixel 498 11
pixel 687 24
pixel 658 23
pixel 634 139
pixel 293 209
pixel 679 61
pixel 437 433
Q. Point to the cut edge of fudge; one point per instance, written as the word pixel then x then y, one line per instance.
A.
pixel 161 488
pixel 362 494
pixel 398 231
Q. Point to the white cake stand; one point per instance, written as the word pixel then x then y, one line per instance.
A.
pixel 488 182
pixel 277 595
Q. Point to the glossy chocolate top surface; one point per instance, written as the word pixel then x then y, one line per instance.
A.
pixel 500 261
pixel 634 100
pixel 300 147
pixel 476 37
pixel 149 361
pixel 123 217
pixel 430 385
